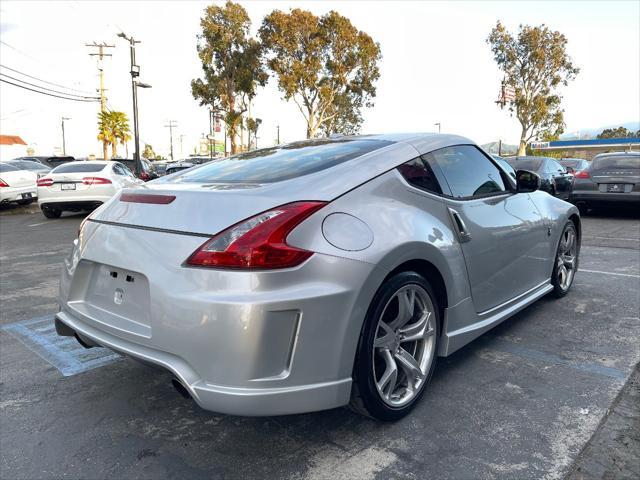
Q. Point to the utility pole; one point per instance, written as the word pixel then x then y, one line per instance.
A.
pixel 103 100
pixel 64 146
pixel 278 135
pixel 438 124
pixel 211 137
pixel 172 123
pixel 182 155
pixel 135 73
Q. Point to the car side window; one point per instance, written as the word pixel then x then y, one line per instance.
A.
pixel 420 174
pixel 555 167
pixel 468 172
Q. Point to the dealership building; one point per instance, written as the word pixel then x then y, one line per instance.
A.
pixel 586 149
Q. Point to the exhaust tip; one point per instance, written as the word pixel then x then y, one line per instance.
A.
pixel 181 389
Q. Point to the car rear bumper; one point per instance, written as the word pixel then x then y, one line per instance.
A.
pixel 595 197
pixel 75 206
pixel 242 343
pixel 14 194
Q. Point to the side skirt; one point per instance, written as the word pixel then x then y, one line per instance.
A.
pixel 484 321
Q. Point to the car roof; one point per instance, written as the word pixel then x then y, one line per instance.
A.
pixel 618 154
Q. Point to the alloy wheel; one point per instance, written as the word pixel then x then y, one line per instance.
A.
pixel 566 260
pixel 404 345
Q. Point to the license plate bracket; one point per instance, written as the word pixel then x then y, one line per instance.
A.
pixel 615 187
pixel 26 196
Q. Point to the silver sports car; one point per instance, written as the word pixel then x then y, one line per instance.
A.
pixel 317 274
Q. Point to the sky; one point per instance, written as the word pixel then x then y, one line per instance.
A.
pixel 436 68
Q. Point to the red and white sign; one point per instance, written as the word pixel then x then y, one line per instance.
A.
pixel 217 124
pixel 509 93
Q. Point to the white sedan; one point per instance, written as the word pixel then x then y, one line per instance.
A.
pixel 78 186
pixel 17 185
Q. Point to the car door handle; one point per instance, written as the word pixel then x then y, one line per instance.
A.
pixel 463 233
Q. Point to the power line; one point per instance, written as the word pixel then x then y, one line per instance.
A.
pixel 44 81
pixel 49 94
pixel 45 88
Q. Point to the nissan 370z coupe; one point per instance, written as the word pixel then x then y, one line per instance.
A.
pixel 316 274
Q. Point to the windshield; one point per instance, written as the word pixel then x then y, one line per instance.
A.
pixel 79 167
pixel 617 161
pixel 280 162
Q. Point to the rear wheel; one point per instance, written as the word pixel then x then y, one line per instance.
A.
pixel 51 212
pixel 397 351
pixel 566 261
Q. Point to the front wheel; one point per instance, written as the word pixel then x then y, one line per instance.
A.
pixel 397 351
pixel 566 260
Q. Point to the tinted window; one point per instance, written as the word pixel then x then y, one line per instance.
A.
pixel 555 167
pixel 78 167
pixel 617 161
pixel 420 175
pixel 5 167
pixel 32 166
pixel 281 162
pixel 531 164
pixel 467 171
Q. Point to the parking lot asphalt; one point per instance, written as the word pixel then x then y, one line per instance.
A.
pixel 522 401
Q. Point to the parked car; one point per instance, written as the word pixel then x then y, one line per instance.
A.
pixel 574 164
pixel 611 179
pixel 38 168
pixel 554 177
pixel 199 160
pixel 177 166
pixel 17 185
pixel 49 161
pixel 160 168
pixel 317 273
pixel 504 164
pixel 82 186
pixel 148 170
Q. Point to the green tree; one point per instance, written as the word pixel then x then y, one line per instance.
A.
pixel 113 128
pixel 535 64
pixel 324 64
pixel 148 152
pixel 252 127
pixel 620 132
pixel 231 62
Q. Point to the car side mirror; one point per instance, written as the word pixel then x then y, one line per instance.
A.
pixel 527 181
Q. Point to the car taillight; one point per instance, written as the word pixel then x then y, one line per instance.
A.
pixel 144 176
pixel 258 242
pixel 3 183
pixel 582 174
pixel 45 182
pixel 82 225
pixel 95 181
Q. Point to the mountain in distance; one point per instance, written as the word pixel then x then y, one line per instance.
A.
pixel 587 133
pixel 506 149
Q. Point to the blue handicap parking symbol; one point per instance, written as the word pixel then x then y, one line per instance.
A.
pixel 64 353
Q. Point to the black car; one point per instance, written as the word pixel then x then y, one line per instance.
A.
pixel 51 162
pixel 574 164
pixel 611 179
pixel 554 178
pixel 148 171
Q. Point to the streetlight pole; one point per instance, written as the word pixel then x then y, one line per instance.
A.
pixel 278 134
pixel 438 124
pixel 64 146
pixel 135 72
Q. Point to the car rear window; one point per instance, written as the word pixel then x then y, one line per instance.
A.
pixel 78 167
pixel 617 161
pixel 533 164
pixel 282 162
pixel 5 167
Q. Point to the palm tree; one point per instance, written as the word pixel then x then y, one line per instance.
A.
pixel 113 128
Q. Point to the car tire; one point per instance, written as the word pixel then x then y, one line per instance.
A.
pixel 583 208
pixel 51 212
pixel 566 260
pixel 25 202
pixel 382 345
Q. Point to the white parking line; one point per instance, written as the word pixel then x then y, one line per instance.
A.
pixel 610 273
pixel 42 223
pixel 617 238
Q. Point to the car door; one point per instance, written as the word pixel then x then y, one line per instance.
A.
pixel 561 178
pixel 502 234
